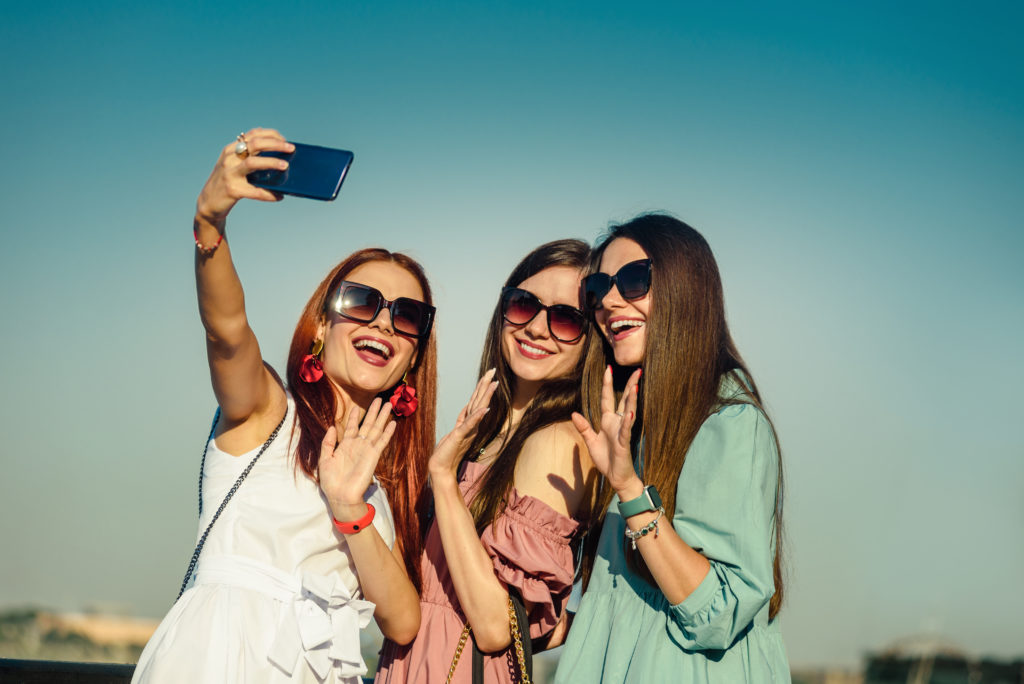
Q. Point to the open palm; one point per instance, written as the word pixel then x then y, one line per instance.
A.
pixel 609 447
pixel 347 465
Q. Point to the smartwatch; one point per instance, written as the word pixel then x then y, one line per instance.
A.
pixel 649 500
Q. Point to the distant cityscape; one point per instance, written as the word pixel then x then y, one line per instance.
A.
pixel 98 637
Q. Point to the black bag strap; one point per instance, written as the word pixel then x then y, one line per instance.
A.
pixel 238 483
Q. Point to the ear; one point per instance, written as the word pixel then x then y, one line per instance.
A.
pixel 321 329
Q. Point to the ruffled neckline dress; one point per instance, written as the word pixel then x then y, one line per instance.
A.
pixel 529 545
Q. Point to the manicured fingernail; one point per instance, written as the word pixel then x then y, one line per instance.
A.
pixel 282 165
pixel 608 368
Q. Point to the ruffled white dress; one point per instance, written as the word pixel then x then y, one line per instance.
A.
pixel 274 597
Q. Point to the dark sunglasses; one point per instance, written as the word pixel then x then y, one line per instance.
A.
pixel 362 303
pixel 519 307
pixel 633 281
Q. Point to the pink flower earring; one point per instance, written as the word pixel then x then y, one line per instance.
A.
pixel 311 369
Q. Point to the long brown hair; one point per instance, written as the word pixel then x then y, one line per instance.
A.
pixel 687 307
pixel 553 403
pixel 402 469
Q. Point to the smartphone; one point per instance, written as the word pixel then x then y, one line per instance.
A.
pixel 313 171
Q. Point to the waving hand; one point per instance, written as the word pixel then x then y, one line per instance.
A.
pixel 347 465
pixel 609 447
pixel 447 454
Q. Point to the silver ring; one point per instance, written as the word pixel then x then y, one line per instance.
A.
pixel 241 147
pixel 362 436
pixel 618 413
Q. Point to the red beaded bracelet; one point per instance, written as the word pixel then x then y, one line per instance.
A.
pixel 356 525
pixel 206 251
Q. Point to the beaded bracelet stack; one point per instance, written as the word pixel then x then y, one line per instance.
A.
pixel 646 529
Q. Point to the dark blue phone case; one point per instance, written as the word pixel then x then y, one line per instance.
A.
pixel 313 171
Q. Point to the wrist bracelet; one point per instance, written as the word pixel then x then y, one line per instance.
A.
pixel 646 529
pixel 355 525
pixel 206 251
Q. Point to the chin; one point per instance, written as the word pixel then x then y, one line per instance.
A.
pixel 629 356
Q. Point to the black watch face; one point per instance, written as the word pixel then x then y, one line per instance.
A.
pixel 655 497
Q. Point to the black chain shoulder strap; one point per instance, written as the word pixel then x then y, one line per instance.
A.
pixel 227 497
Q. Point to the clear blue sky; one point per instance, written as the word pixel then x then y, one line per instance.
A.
pixel 856 169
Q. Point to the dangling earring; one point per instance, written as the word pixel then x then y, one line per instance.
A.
pixel 311 369
pixel 403 399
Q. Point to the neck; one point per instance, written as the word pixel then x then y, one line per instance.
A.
pixel 522 397
pixel 346 399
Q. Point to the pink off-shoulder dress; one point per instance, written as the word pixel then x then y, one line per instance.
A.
pixel 529 544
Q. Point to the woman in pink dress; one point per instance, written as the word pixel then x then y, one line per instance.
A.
pixel 512 484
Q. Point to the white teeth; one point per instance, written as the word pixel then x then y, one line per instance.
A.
pixel 624 322
pixel 373 344
pixel 533 350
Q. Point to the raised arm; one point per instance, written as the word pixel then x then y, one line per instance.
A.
pixel 552 467
pixel 676 567
pixel 712 557
pixel 244 387
pixel 348 458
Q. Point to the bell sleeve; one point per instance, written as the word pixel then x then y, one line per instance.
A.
pixel 725 509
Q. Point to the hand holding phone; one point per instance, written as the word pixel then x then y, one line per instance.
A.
pixel 313 172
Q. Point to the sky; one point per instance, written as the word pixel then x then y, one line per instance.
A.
pixel 856 169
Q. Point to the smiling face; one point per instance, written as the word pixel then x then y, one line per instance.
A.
pixel 532 353
pixel 623 322
pixel 363 359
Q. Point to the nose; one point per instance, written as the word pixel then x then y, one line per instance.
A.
pixel 612 299
pixel 538 325
pixel 382 323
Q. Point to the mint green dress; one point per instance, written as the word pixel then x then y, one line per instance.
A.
pixel 626 631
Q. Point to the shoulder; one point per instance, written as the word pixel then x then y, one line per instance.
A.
pixel 553 466
pixel 558 442
pixel 735 444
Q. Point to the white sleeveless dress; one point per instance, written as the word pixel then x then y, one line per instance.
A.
pixel 274 597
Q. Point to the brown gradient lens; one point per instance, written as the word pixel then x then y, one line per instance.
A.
pixel 362 303
pixel 519 307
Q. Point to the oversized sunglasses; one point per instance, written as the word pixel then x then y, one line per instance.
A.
pixel 633 281
pixel 362 303
pixel 519 307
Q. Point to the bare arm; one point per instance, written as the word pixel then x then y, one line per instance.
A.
pixel 346 471
pixel 553 467
pixel 677 568
pixel 243 386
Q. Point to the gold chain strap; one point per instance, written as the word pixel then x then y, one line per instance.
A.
pixel 513 624
pixel 458 654
pixel 517 638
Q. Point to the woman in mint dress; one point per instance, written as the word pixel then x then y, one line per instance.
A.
pixel 684 580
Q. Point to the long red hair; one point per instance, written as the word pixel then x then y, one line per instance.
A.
pixel 402 469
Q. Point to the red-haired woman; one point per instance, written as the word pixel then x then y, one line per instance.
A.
pixel 512 485
pixel 280 590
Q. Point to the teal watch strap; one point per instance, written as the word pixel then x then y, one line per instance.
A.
pixel 649 500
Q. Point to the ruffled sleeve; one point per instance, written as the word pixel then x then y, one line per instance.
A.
pixel 725 509
pixel 529 544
